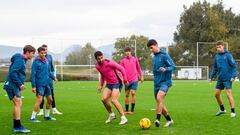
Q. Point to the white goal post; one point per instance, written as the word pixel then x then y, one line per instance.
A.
pixel 77 71
pixel 89 72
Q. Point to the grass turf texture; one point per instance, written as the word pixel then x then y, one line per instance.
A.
pixel 190 103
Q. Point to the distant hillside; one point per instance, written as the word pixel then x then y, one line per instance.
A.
pixel 107 50
pixel 62 56
pixel 7 51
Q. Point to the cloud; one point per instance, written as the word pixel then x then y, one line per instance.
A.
pixel 155 25
pixel 96 21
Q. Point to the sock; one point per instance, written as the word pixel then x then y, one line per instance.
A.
pixel 126 106
pixel 16 123
pixel 168 118
pixel 123 117
pixel 232 110
pixel 132 108
pixel 54 109
pixel 33 115
pixel 158 116
pixel 112 114
pixel 222 108
pixel 47 112
pixel 41 110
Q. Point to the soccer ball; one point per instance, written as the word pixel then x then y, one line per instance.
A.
pixel 145 123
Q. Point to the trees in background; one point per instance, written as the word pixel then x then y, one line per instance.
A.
pixel 82 56
pixel 200 22
pixel 203 22
pixel 141 49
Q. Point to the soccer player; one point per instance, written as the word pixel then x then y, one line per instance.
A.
pixel 50 61
pixel 40 75
pixel 109 71
pixel 163 66
pixel 226 68
pixel 14 84
pixel 133 70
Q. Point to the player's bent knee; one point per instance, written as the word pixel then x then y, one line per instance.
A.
pixel 114 101
pixel 39 100
pixel 217 94
pixel 159 101
pixel 161 95
pixel 104 100
pixel 18 102
pixel 50 100
pixel 229 93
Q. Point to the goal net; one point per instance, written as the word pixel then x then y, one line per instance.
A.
pixel 191 73
pixel 76 72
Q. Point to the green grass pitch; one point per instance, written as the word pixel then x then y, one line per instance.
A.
pixel 190 103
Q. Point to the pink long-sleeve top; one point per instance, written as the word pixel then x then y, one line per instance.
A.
pixel 132 68
pixel 109 71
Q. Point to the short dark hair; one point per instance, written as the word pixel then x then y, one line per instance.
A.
pixel 41 49
pixel 151 42
pixel 220 43
pixel 127 49
pixel 44 45
pixel 28 48
pixel 98 53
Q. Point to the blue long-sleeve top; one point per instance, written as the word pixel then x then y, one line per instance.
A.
pixel 225 66
pixel 162 59
pixel 17 72
pixel 41 72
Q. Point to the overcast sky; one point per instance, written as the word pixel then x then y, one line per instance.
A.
pixel 60 23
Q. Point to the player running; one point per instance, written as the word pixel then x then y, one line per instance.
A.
pixel 109 73
pixel 163 66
